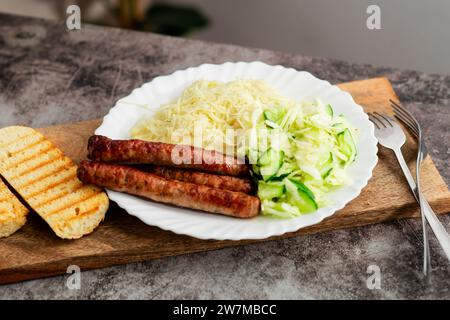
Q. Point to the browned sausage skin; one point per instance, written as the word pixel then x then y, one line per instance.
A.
pixel 182 194
pixel 135 151
pixel 203 178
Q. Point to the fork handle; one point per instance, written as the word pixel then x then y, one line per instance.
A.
pixel 438 229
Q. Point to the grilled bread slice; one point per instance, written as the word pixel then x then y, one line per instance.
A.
pixel 47 181
pixel 13 214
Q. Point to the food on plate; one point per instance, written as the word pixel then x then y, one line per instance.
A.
pixel 203 178
pixel 46 179
pixel 13 214
pixel 183 194
pixel 134 151
pixel 299 149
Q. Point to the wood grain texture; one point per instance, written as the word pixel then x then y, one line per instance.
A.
pixel 34 251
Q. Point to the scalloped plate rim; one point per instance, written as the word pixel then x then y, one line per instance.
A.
pixel 125 201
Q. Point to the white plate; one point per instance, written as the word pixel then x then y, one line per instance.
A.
pixel 291 83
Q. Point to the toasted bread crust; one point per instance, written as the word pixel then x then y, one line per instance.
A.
pixel 13 214
pixel 47 181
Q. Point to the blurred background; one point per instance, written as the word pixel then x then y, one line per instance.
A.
pixel 415 34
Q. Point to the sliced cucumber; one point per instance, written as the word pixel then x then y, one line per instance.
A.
pixel 279 210
pixel 285 170
pixel 268 172
pixel 273 115
pixel 338 128
pixel 301 186
pixel 270 190
pixel 347 145
pixel 300 195
pixel 327 167
pixel 267 157
pixel 269 163
pixel 339 124
pixel 271 124
pixel 326 173
pixel 329 110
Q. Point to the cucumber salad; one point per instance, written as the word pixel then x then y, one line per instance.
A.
pixel 305 152
pixel 314 147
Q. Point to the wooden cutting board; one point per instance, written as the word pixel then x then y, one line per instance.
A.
pixel 35 251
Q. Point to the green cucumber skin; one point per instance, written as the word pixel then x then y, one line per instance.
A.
pixel 311 204
pixel 271 191
pixel 327 173
pixel 273 173
pixel 279 178
pixel 304 199
pixel 266 158
pixel 273 115
pixel 269 163
pixel 328 167
pixel 329 110
pixel 339 128
pixel 301 186
pixel 345 138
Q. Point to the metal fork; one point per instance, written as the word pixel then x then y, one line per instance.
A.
pixel 390 135
pixel 413 125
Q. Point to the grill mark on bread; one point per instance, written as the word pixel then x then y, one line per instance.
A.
pixel 12 212
pixel 32 156
pixel 84 213
pixel 59 169
pixel 53 185
pixel 70 205
pixel 28 146
pixel 38 166
pixel 7 144
pixel 46 179
pixel 3 210
pixel 58 196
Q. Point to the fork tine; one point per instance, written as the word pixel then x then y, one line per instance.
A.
pixel 398 105
pixel 405 114
pixel 399 113
pixel 402 109
pixel 372 119
pixel 406 117
pixel 383 116
pixel 376 120
pixel 406 122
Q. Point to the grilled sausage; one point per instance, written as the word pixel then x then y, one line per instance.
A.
pixel 182 194
pixel 135 151
pixel 203 178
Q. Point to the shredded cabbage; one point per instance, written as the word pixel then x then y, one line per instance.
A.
pixel 317 145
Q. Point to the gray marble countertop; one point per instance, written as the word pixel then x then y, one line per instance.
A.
pixel 49 75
